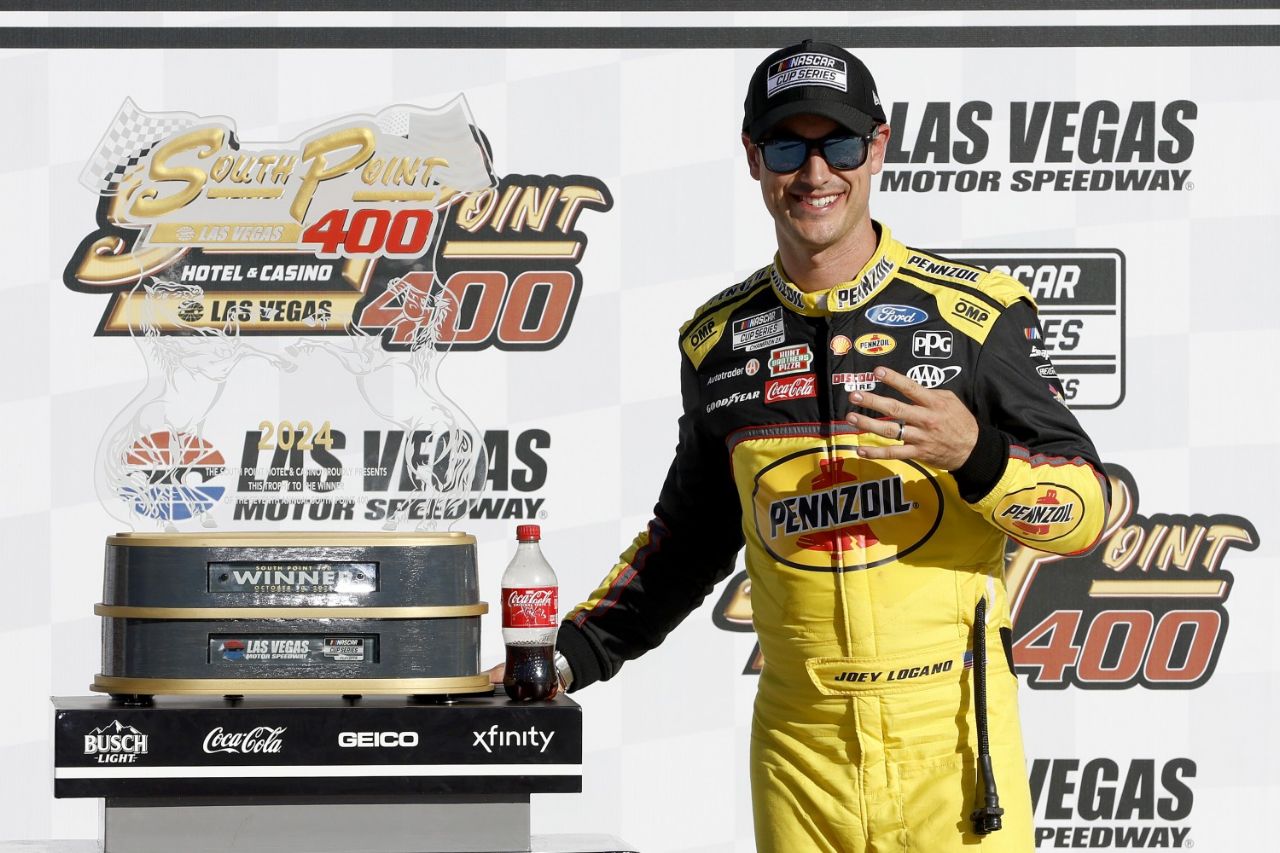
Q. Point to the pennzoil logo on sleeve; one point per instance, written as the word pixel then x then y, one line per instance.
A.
pixel 1043 513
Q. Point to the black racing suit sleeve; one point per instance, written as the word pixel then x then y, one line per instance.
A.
pixel 1027 437
pixel 689 546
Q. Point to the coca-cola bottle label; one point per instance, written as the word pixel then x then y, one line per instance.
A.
pixel 529 607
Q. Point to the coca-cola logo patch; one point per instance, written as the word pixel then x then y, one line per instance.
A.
pixel 533 607
pixel 796 388
pixel 263 740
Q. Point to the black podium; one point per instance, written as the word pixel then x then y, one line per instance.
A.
pixel 377 774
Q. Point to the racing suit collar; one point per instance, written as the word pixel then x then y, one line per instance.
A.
pixel 849 295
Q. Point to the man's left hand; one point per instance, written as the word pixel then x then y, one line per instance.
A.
pixel 936 428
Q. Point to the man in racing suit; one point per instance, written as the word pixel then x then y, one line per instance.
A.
pixel 871 421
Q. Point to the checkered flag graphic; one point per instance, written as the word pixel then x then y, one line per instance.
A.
pixel 130 137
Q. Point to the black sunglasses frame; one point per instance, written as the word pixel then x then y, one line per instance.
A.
pixel 820 145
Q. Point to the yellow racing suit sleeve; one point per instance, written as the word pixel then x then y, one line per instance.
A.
pixel 687 548
pixel 1033 473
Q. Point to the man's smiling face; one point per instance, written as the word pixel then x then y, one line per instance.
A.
pixel 816 207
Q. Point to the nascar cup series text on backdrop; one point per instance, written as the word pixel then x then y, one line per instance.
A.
pixel 1147 134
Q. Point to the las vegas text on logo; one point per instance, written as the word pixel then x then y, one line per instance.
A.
pixel 1052 146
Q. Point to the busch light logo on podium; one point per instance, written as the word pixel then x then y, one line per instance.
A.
pixel 115 743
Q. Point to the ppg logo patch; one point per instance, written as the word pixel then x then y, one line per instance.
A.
pixel 807 69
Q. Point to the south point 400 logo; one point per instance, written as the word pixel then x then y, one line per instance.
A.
pixel 355 224
pixel 1146 607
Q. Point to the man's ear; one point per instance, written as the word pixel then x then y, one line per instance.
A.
pixel 753 156
pixel 879 144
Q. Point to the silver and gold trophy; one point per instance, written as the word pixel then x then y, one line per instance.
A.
pixel 321 563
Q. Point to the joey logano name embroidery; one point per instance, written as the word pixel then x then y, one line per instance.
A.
pixel 844 505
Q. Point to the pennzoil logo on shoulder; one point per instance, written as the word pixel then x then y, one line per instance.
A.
pixel 353 224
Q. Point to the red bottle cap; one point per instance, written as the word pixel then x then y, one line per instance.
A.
pixel 528 533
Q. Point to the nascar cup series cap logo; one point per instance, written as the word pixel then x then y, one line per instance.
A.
pixel 807 69
pixel 831 511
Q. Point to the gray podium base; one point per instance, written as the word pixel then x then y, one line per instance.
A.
pixel 433 824
pixel 540 844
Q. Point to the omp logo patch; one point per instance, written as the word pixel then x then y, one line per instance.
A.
pixel 818 512
pixel 971 311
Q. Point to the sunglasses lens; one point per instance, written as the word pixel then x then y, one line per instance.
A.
pixel 845 152
pixel 787 155
pixel 784 155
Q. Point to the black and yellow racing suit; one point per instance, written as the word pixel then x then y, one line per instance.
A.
pixel 865 574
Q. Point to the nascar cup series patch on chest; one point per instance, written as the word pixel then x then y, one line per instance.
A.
pixel 807 69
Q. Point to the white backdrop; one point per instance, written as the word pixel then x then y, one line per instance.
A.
pixel 666 742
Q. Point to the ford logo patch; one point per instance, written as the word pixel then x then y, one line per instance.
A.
pixel 896 315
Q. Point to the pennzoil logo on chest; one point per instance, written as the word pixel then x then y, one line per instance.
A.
pixel 828 510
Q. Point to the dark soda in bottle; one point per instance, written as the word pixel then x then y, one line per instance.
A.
pixel 530 607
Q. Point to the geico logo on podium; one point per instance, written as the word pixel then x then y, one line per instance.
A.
pixel 350 740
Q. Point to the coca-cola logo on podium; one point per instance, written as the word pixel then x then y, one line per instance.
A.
pixel 256 741
pixel 534 607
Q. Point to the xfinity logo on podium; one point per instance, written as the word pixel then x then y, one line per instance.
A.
pixel 263 739
pixel 350 740
pixel 494 738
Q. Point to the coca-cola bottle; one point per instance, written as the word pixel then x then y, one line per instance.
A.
pixel 529 619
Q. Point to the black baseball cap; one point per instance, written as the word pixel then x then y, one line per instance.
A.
pixel 815 78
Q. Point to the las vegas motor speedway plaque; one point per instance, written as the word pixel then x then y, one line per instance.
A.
pixel 290 613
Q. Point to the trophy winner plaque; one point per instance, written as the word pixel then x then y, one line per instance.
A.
pixel 235 613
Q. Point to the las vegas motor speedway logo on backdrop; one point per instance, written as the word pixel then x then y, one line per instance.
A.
pixel 1146 607
pixel 1051 146
pixel 1113 804
pixel 349 225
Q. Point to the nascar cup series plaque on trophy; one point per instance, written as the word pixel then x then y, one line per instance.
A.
pixel 288 305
